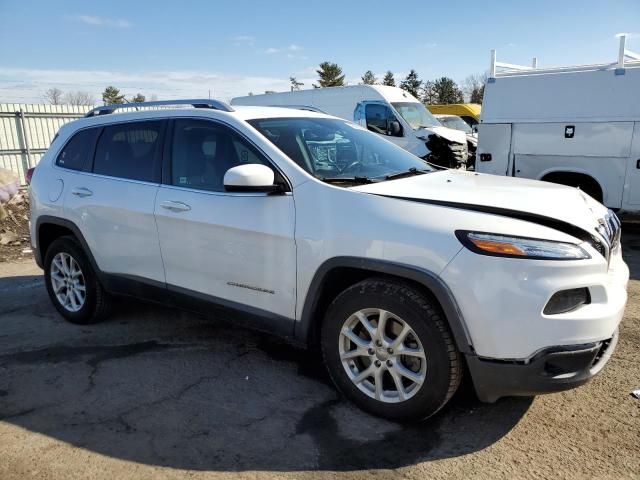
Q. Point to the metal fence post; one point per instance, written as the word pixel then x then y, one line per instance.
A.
pixel 25 137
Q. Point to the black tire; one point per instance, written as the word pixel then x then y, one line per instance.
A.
pixel 96 303
pixel 443 361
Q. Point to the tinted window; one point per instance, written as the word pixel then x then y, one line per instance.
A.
pixel 203 151
pixel 129 150
pixel 378 118
pixel 76 152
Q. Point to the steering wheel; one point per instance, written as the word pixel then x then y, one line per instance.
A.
pixel 350 166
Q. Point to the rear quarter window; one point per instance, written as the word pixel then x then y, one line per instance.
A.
pixel 76 154
pixel 130 150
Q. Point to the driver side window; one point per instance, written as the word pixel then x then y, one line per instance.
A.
pixel 379 118
pixel 203 151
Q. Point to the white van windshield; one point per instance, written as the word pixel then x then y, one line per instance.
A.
pixel 337 151
pixel 416 115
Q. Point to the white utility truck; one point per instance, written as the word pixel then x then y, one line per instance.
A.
pixel 388 111
pixel 575 125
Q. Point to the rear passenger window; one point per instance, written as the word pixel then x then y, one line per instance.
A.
pixel 77 151
pixel 130 150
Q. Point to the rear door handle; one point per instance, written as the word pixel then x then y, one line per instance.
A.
pixel 175 206
pixel 81 192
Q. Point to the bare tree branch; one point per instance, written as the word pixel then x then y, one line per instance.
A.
pixel 53 96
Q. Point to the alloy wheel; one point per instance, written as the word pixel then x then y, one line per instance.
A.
pixel 68 282
pixel 382 355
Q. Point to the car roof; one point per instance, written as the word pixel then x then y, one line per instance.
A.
pixel 242 113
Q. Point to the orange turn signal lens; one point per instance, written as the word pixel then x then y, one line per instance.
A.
pixel 500 248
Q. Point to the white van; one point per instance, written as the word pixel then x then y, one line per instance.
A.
pixel 388 111
pixel 577 126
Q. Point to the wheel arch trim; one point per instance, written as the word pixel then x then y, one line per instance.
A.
pixel 62 222
pixel 304 327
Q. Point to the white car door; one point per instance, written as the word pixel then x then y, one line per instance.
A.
pixel 236 248
pixel 112 200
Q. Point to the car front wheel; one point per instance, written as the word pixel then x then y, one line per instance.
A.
pixel 388 348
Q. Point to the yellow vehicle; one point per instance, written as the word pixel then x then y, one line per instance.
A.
pixel 469 112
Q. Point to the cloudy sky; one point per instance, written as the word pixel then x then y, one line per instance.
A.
pixel 190 48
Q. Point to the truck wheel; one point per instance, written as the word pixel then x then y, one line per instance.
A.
pixel 72 284
pixel 387 347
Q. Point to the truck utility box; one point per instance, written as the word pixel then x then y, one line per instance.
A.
pixel 577 125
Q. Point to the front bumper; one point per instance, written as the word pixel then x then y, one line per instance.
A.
pixel 502 301
pixel 553 369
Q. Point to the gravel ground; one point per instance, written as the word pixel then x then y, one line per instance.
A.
pixel 157 393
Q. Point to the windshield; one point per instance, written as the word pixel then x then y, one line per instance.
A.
pixel 456 123
pixel 332 149
pixel 416 115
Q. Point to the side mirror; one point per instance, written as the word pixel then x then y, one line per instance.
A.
pixel 394 128
pixel 251 177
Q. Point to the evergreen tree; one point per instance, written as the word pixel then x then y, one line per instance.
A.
pixel 139 98
pixel 111 95
pixel 330 75
pixel 369 78
pixel 295 84
pixel 388 79
pixel 411 83
pixel 447 91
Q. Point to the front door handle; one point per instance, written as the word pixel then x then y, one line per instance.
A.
pixel 175 206
pixel 81 192
pixel 638 164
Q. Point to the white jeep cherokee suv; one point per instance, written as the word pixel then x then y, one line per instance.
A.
pixel 313 228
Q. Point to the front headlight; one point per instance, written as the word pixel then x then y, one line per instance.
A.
pixel 499 245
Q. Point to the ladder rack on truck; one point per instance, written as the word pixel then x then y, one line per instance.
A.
pixel 626 58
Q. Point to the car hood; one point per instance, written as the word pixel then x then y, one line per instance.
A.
pixel 450 134
pixel 494 194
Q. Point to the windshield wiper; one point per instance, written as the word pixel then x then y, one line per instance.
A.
pixel 358 180
pixel 407 173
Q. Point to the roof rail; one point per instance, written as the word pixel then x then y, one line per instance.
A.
pixel 626 58
pixel 196 103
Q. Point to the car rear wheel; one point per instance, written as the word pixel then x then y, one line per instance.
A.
pixel 72 284
pixel 388 348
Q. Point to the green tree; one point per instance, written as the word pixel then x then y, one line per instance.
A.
pixel 447 91
pixel 477 94
pixel 295 84
pixel 111 95
pixel 138 98
pixel 429 96
pixel 388 79
pixel 411 83
pixel 369 78
pixel 330 75
pixel 473 87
